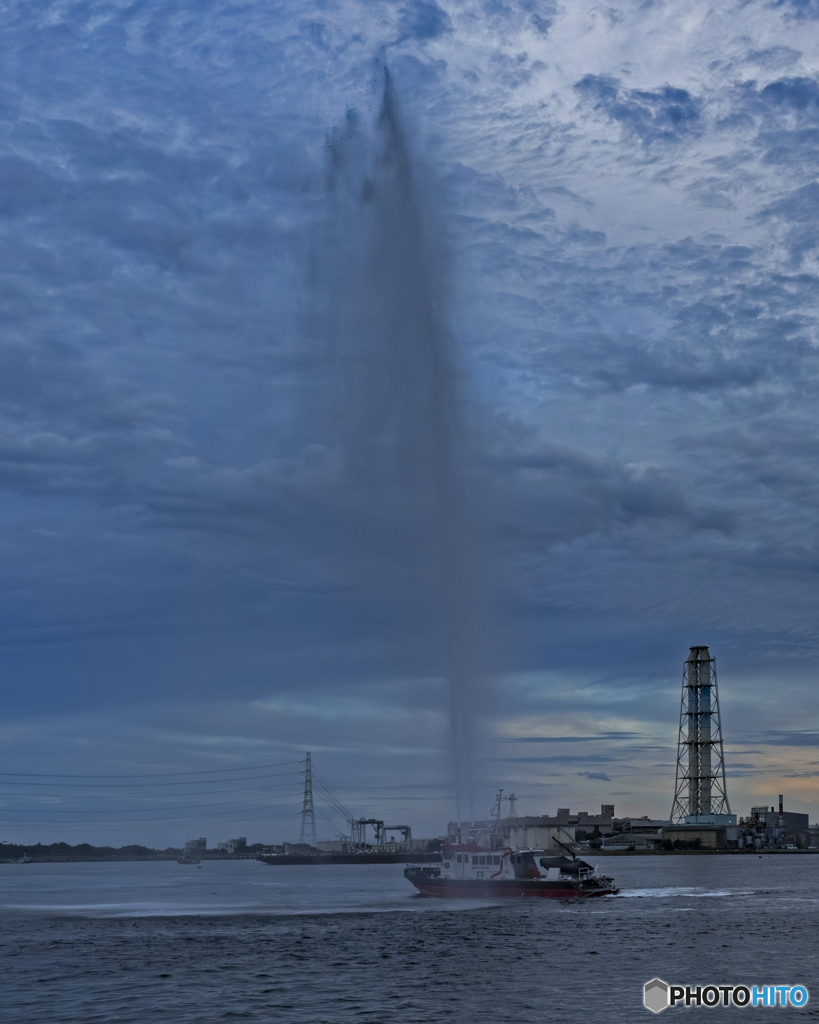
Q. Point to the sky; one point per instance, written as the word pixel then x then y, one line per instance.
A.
pixel 210 560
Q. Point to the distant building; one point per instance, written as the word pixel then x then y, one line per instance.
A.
pixel 769 816
pixel 233 846
pixel 335 846
pixel 532 833
pixel 636 841
pixel 642 826
pixel 196 845
pixel 710 819
pixel 538 832
pixel 288 848
pixel 701 837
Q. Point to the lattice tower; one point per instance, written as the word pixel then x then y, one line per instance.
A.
pixel 700 782
pixel 308 812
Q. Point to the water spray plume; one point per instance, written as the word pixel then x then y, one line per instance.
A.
pixel 400 417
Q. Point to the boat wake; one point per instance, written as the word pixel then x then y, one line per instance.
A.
pixel 686 891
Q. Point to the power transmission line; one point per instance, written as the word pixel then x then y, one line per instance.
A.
pixel 330 795
pixel 147 821
pixel 154 828
pixel 146 810
pixel 148 775
pixel 142 785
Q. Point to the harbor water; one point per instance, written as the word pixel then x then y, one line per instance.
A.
pixel 132 943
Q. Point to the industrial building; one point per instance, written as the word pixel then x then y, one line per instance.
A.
pixel 695 837
pixel 634 842
pixel 233 846
pixel 701 815
pixel 538 832
pixel 791 821
pixel 641 826
pixel 767 827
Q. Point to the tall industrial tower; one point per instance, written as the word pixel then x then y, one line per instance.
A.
pixel 308 812
pixel 700 783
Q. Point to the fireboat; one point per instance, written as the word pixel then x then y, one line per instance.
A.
pixel 468 871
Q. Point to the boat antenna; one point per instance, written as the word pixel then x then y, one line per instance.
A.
pixel 566 848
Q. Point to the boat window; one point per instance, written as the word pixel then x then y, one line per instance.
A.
pixel 482 861
pixel 474 859
pixel 496 860
pixel 458 858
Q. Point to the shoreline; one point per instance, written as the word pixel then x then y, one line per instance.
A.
pixel 697 853
pixel 320 861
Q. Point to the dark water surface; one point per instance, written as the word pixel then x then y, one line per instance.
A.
pixel 238 940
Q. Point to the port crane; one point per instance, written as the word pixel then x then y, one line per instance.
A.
pixel 405 830
pixel 358 830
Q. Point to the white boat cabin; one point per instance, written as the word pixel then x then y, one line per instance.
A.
pixel 466 860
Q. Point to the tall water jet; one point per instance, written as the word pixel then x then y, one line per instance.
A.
pixel 399 417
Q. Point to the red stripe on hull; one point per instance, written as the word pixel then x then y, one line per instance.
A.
pixel 517 892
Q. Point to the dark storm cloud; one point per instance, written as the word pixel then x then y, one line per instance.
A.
pixel 504 18
pixel 574 739
pixel 800 94
pixel 792 738
pixel 622 362
pixel 424 19
pixel 665 115
pixel 785 114
pixel 800 210
pixel 802 10
pixel 566 759
pixel 800 205
pixel 554 494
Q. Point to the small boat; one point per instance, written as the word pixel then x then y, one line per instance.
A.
pixel 468 871
pixel 186 858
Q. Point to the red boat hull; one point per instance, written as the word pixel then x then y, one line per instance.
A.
pixel 469 889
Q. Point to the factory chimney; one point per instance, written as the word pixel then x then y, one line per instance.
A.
pixel 700 781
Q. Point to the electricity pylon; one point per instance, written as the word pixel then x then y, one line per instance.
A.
pixel 308 812
pixel 699 788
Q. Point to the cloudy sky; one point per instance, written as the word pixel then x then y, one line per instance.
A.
pixel 621 224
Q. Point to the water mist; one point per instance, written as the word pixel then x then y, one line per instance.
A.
pixel 399 422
